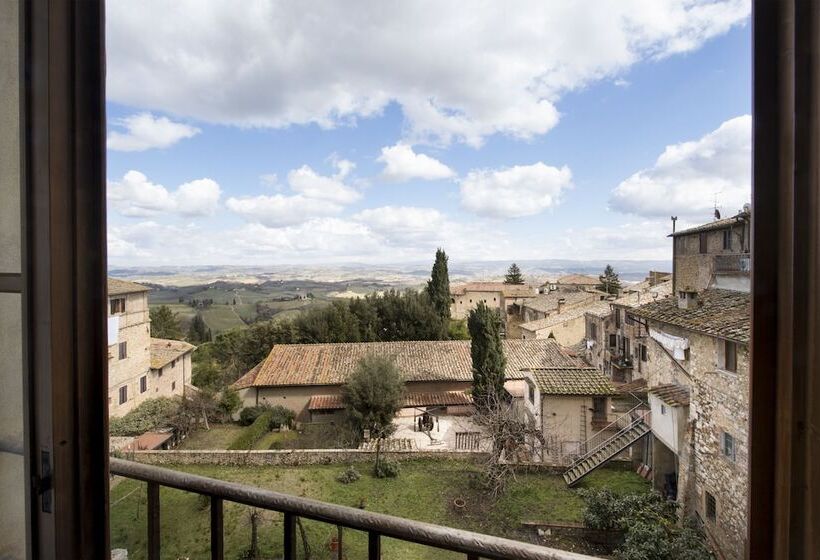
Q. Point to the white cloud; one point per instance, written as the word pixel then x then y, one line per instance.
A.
pixel 401 163
pixel 279 210
pixel 502 69
pixel 640 240
pixel 404 224
pixel 135 196
pixel 312 185
pixel 144 131
pixel 688 176
pixel 513 192
pixel 269 179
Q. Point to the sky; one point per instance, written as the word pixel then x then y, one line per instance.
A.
pixel 263 133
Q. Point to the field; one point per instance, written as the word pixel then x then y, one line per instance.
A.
pixel 235 305
pixel 424 491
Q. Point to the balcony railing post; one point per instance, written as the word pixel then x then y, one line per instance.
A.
pixel 217 534
pixel 374 546
pixel 290 537
pixel 153 521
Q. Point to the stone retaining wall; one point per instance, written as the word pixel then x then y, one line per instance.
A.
pixel 289 457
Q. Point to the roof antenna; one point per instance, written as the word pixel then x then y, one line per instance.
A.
pixel 674 219
pixel 717 212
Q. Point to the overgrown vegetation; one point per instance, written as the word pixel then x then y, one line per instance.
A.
pixel 650 526
pixel 150 415
pixel 280 416
pixel 373 395
pixel 349 475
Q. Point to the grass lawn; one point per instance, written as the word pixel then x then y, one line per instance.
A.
pixel 270 438
pixel 424 491
pixel 220 436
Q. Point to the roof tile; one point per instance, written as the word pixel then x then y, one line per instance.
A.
pixel 571 381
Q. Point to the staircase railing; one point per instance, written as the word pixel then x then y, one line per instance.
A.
pixel 621 425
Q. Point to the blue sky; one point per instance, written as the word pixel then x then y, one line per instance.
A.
pixel 561 158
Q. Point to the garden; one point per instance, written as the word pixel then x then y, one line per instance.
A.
pixel 444 492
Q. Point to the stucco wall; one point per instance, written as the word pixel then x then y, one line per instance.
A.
pixel 469 301
pixel 566 333
pixel 135 330
pixel 171 379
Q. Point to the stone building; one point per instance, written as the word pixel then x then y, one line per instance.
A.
pixel 567 327
pixel 716 254
pixel 557 301
pixel 567 405
pixel 570 281
pixel 697 370
pixel 506 298
pixel 305 377
pixel 137 365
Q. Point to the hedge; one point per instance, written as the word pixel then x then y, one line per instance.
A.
pixel 253 433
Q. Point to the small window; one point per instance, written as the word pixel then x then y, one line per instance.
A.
pixel 531 392
pixel 117 305
pixel 173 385
pixel 663 410
pixel 728 446
pixel 617 318
pixel 729 356
pixel 711 507
pixel 123 350
pixel 174 363
pixel 703 244
pixel 727 239
pixel 593 331
pixel 123 394
pixel 613 341
pixel 143 384
pixel 471 301
pixel 644 356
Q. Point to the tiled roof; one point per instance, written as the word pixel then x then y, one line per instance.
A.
pixel 549 302
pixel 149 441
pixel 581 279
pixel 720 313
pixel 449 360
pixel 672 394
pixel 247 380
pixel 594 307
pixel 507 290
pixel 117 287
pixel 717 224
pixel 634 386
pixel 633 299
pixel 164 351
pixel 442 398
pixel 571 381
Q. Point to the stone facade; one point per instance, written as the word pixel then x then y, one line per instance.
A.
pixel 715 254
pixel 129 353
pixel 505 298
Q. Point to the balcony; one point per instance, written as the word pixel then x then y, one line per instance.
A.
pixel 734 263
pixel 376 525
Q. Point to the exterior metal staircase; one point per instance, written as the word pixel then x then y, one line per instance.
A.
pixel 609 442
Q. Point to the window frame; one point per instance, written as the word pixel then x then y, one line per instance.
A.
pixel 123 395
pixel 729 350
pixel 122 349
pixel 727 239
pixel 117 305
pixel 710 506
pixel 143 384
pixel 725 438
pixel 703 243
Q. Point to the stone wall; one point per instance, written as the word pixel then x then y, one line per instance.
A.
pixel 291 457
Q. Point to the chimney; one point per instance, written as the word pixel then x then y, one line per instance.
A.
pixel 674 219
pixel 561 303
pixel 687 300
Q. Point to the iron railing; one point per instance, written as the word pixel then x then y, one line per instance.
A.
pixel 376 525
pixel 603 436
pixel 736 262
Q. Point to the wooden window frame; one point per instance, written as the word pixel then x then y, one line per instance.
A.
pixel 122 396
pixel 117 305
pixel 143 384
pixel 122 349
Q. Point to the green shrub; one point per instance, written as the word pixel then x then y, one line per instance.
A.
pixel 350 474
pixel 254 432
pixel 281 416
pixel 151 415
pixel 386 469
pixel 249 414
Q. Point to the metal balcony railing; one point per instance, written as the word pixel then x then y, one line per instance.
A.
pixel 376 525
pixel 609 432
pixel 738 262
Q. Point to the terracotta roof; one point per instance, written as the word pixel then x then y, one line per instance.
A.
pixel 247 380
pixel 571 381
pixel 164 351
pixel 117 287
pixel 594 307
pixel 549 302
pixel 717 224
pixel 720 313
pixel 672 394
pixel 507 290
pixel 149 441
pixel 633 299
pixel 442 398
pixel 581 279
pixel 634 386
pixel 448 360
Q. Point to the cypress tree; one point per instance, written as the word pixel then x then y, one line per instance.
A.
pixel 438 287
pixel 487 353
pixel 198 332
